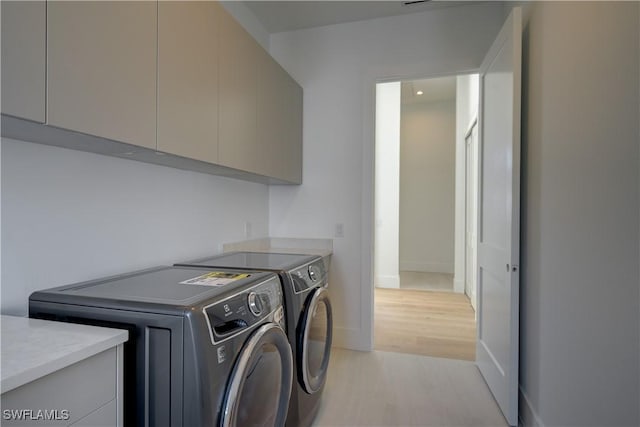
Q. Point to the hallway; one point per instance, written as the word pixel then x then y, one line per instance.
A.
pixel 429 323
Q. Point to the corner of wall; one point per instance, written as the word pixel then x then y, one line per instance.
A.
pixel 527 417
pixel 249 22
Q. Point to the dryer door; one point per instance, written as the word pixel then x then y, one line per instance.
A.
pixel 315 341
pixel 260 384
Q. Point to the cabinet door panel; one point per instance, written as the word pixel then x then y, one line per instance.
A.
pixel 23 59
pixel 279 117
pixel 237 90
pixel 101 64
pixel 188 79
pixel 291 143
pixel 79 389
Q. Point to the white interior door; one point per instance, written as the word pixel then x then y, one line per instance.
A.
pixel 499 216
pixel 471 197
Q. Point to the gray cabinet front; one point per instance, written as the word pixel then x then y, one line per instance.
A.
pixel 101 69
pixel 188 79
pixel 23 59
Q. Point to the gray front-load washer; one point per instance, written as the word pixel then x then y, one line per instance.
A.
pixel 206 348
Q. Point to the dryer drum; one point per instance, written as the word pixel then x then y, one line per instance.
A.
pixel 260 384
pixel 317 327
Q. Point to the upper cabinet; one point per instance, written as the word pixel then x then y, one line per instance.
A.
pixel 239 140
pixel 279 120
pixel 188 79
pixel 101 69
pixel 23 59
pixel 139 79
pixel 260 109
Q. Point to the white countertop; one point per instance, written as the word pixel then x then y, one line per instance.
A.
pixel 33 348
pixel 283 245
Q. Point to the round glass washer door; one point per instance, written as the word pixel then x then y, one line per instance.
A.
pixel 315 341
pixel 260 386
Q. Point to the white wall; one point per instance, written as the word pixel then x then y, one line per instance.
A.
pixel 580 284
pixel 338 67
pixel 69 216
pixel 427 172
pixel 387 185
pixel 467 92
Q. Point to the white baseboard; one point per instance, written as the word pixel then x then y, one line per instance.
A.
pixel 528 417
pixel 349 338
pixel 458 286
pixel 388 281
pixel 429 267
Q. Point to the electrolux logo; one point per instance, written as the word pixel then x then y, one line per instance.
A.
pixel 35 414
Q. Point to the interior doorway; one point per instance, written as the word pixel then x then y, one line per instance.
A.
pixel 424 195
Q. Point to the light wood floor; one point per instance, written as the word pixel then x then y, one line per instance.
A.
pixel 392 389
pixel 438 324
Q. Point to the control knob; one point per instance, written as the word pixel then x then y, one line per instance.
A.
pixel 314 272
pixel 255 304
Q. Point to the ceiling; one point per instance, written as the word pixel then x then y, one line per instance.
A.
pixel 433 90
pixel 280 16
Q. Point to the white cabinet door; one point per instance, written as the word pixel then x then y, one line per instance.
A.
pixel 23 59
pixel 499 216
pixel 188 79
pixel 101 65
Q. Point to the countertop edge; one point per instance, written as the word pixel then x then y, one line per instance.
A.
pixel 33 373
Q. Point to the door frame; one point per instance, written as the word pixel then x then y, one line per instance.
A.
pixel 367 292
pixel 473 295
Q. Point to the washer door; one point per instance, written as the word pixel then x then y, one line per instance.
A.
pixel 315 341
pixel 260 384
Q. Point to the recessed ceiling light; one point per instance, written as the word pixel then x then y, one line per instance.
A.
pixel 419 92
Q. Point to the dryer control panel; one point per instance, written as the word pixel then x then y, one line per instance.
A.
pixel 237 313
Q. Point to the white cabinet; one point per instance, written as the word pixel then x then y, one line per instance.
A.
pixel 188 79
pixel 82 393
pixel 101 69
pixel 62 374
pixel 23 59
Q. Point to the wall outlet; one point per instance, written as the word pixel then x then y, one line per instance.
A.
pixel 247 229
pixel 339 230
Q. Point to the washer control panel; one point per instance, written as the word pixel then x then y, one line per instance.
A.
pixel 239 312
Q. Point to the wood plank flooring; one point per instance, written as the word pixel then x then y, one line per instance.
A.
pixel 392 389
pixel 429 323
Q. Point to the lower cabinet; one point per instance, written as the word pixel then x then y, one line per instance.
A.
pixel 86 393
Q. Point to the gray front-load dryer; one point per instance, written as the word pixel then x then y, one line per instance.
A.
pixel 206 348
